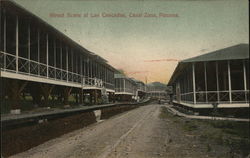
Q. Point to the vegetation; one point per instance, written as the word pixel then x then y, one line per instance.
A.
pixel 230 134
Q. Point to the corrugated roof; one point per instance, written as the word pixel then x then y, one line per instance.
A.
pixel 240 51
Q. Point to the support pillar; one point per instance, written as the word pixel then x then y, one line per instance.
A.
pixel 66 94
pixel 46 91
pixel 4 33
pixel 47 55
pixel 113 96
pixel 54 43
pixel 67 63
pixel 229 81
pixel 17 44
pixel 76 97
pixel 205 76
pixel 38 50
pixel 91 94
pixel 4 39
pixel 35 93
pixel 14 93
pixel 245 79
pixel 29 45
pixel 61 62
pixel 95 96
pixel 217 82
pixel 194 86
pixel 81 96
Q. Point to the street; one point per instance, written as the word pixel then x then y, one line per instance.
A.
pixel 137 133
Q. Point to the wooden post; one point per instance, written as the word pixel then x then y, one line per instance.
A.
pixel 35 93
pixel 17 44
pixel 38 50
pixel 66 94
pixel 46 91
pixel 245 79
pixel 194 90
pixel 205 76
pixel 81 96
pixel 217 81
pixel 14 93
pixel 95 96
pixel 47 55
pixel 4 33
pixel 229 81
pixel 76 97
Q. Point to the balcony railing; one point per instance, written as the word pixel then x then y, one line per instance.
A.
pixel 34 68
pixel 209 97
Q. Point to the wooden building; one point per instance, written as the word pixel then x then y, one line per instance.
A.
pixel 219 78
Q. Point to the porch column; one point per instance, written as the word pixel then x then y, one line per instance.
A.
pixel 4 32
pixel 66 94
pixel 46 91
pixel 84 70
pixel 229 81
pixel 67 63
pixel 81 66
pixel 55 58
pixel 16 88
pixel 4 40
pixel 17 42
pixel 194 90
pixel 124 85
pixel 76 62
pixel 87 67
pixel 96 70
pixel 29 45
pixel 217 81
pixel 81 76
pixel 61 62
pixel 245 79
pixel 100 76
pixel 90 69
pixel 81 96
pixel 38 50
pixel 71 52
pixel 47 54
pixel 205 75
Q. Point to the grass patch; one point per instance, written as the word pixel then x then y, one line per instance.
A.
pixel 231 135
pixel 234 135
pixel 190 126
pixel 165 114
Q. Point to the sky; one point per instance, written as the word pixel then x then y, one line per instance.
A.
pixel 147 48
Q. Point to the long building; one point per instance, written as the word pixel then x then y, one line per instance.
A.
pixel 39 60
pixel 141 90
pixel 125 88
pixel 157 90
pixel 219 78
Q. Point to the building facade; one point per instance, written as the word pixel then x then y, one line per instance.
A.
pixel 37 59
pixel 125 88
pixel 157 90
pixel 219 78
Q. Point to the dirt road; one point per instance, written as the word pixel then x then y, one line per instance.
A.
pixel 139 133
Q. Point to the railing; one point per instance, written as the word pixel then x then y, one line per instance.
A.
pixel 109 85
pixel 34 68
pixel 125 90
pixel 209 97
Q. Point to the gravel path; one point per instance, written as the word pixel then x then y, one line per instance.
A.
pixel 139 133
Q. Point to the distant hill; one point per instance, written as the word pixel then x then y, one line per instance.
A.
pixel 156 86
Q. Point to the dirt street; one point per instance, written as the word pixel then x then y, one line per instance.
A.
pixel 139 133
